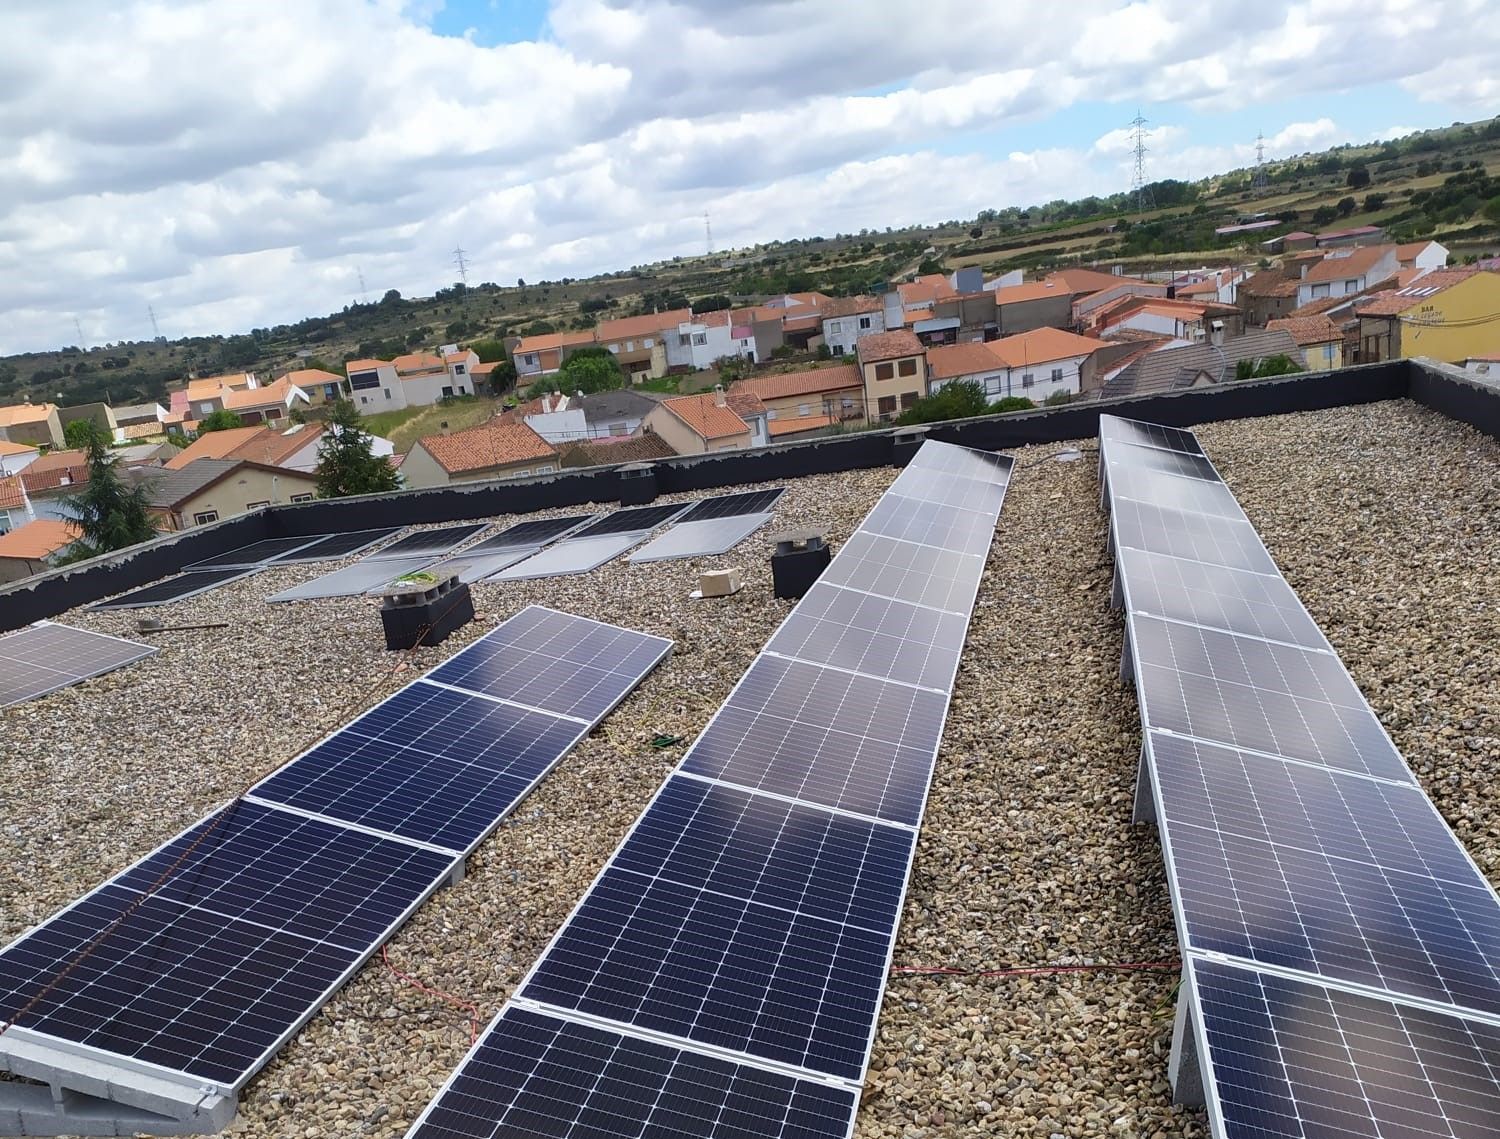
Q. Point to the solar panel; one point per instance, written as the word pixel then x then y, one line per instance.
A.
pixel 476 567
pixel 178 588
pixel 258 924
pixel 772 922
pixel 1292 1058
pixel 534 1074
pixel 333 546
pixel 529 535
pixel 45 657
pixel 349 581
pixel 938 489
pixel 635 520
pixel 256 553
pixel 751 913
pixel 700 539
pixel 1162 462
pixel 1192 537
pixel 1201 496
pixel 729 505
pixel 429 764
pixel 1116 429
pixel 430 543
pixel 947 458
pixel 571 556
pixel 921 575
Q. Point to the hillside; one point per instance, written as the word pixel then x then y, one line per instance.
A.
pixel 1443 184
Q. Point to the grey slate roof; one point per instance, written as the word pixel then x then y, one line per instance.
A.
pixel 169 488
pixel 614 405
pixel 1181 367
pixel 135 413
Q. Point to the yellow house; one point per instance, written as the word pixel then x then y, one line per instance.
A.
pixel 893 366
pixel 1448 315
pixel 1321 340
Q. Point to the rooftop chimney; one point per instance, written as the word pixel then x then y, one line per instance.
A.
pixel 719 400
pixel 1216 333
pixel 443 427
pixel 546 403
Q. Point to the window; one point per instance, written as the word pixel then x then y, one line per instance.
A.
pixel 993 386
pixel 838 349
pixel 1056 375
pixel 682 339
pixel 864 323
pixel 361 381
pixel 458 369
pixel 908 399
pixel 700 338
pixel 529 359
pixel 1027 380
pixel 907 368
pixel 1320 290
pixel 273 413
pixel 630 345
pixel 770 413
pixel 1351 286
pixel 615 348
pixel 519 474
pixel 386 392
pixel 885 371
pixel 804 409
pixel 834 328
pixel 447 393
pixel 848 404
pixel 205 408
pixel 204 517
pixel 302 498
pixel 257 505
pixel 364 399
pixel 887 405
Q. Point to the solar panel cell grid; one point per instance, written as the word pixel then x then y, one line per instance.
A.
pixel 334 546
pixel 876 636
pixel 1163 462
pixel 178 588
pixel 913 520
pixel 543 1076
pixel 823 736
pixel 1192 537
pixel 533 534
pixel 429 542
pixel 968 462
pixel 429 764
pixel 471 567
pixel 920 575
pixel 1295 1059
pixel 729 505
pixel 350 581
pixel 46 657
pixel 940 489
pixel 1173 492
pixel 700 539
pixel 634 520
pixel 1115 428
pixel 255 553
pixel 570 556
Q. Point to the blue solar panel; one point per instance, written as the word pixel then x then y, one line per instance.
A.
pixel 565 664
pixel 738 922
pixel 429 764
pixel 536 1075
pixel 260 914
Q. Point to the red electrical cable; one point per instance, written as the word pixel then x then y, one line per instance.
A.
pixel 456 1002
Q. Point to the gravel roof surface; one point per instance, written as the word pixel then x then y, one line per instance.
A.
pixel 1380 516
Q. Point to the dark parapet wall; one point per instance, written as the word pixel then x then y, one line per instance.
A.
pixel 1442 388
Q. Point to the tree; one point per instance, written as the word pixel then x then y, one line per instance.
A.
pixel 80 433
pixel 1279 365
pixel 587 370
pixel 977 231
pixel 1492 209
pixel 392 297
pixel 1346 207
pixel 1358 177
pixel 960 400
pixel 1323 215
pixel 488 351
pixel 1375 202
pixel 346 463
pixel 221 420
pixel 110 513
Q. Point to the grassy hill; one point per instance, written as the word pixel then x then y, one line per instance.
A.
pixel 1443 184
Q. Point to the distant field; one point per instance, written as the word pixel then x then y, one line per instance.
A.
pixel 403 428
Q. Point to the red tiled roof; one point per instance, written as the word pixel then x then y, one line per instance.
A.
pixel 418 362
pixel 490 444
pixel 642 448
pixel 792 384
pixel 849 306
pixel 1313 329
pixel 888 345
pixel 636 327
pixel 706 418
pixel 1399 300
pixel 37 539
pixel 551 341
pixel 214 445
pixel 951 360
pixel 744 404
pixel 1359 262
pixel 25 413
pixel 312 378
pixel 1030 291
pixel 795 424
pixel 271 395
pixel 1041 345
pixel 1269 283
pixel 1093 281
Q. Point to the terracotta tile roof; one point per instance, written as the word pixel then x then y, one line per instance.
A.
pixel 1409 251
pixel 147 430
pixel 417 362
pixel 719 318
pixel 888 345
pixel 1122 334
pixel 1093 281
pixel 214 445
pixel 25 413
pixel 1321 305
pixel 489 445
pixel 365 365
pixel 312 378
pixel 796 424
pixel 272 395
pixel 39 539
pixel 850 306
pixel 951 360
pixel 636 327
pixel 915 314
pixel 1313 329
pixel 273 447
pixel 10 492
pixel 1300 235
pixel 1355 231
pixel 9 448
pixel 549 341
pixel 205 387
pixel 642 448
pixel 706 418
pixel 457 357
pixel 1359 262
pixel 1396 301
pixel 744 404
pixel 1269 283
pixel 1040 346
pixel 1030 291
pixel 484 368
pixel 924 290
pixel 792 384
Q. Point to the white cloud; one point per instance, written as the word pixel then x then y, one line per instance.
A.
pixel 238 165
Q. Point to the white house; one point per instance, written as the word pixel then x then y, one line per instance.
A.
pixel 558 419
pixel 418 379
pixel 847 319
pixel 705 337
pixel 16 457
pixel 374 386
pixel 1423 255
pixel 1036 364
pixel 1346 270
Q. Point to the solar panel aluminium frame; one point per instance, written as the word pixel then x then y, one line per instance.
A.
pixel 221 561
pixel 726 1054
pixel 144 652
pixel 61 1048
pixel 120 602
pixel 381 533
pixel 120 1062
pixel 585 727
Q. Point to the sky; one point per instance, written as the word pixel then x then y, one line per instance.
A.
pixel 231 164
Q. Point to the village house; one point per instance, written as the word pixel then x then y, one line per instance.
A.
pixel 493 450
pixel 35 547
pixel 34 423
pixel 893 372
pixel 1450 315
pixel 798 402
pixel 207 490
pixel 699 424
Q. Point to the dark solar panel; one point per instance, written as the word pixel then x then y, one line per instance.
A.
pixel 738 922
pixel 256 553
pixel 1295 1059
pixel 178 588
pixel 819 735
pixel 537 1075
pixel 527 535
pixel 565 664
pixel 43 658
pixel 255 927
pixel 1259 696
pixel 876 636
pixel 334 546
pixel 728 505
pixel 428 764
pixel 634 520
pixel 1113 427
pixel 431 543
pixel 1193 537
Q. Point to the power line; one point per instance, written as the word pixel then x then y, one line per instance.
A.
pixel 1259 181
pixel 1144 199
pixel 708 234
pixel 79 327
pixel 364 293
pixel 155 328
pixel 462 263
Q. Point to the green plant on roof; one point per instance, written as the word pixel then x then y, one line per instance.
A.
pixel 419 577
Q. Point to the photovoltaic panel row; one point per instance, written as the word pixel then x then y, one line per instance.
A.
pixel 208 954
pixel 744 928
pixel 428 543
pixel 256 553
pixel 633 520
pixel 1116 429
pixel 532 535
pixel 333 546
pixel 1306 865
pixel 700 539
pixel 593 545
pixel 178 588
pixel 730 505
pixel 45 657
pixel 350 581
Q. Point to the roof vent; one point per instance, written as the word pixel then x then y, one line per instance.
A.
pixel 719 398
